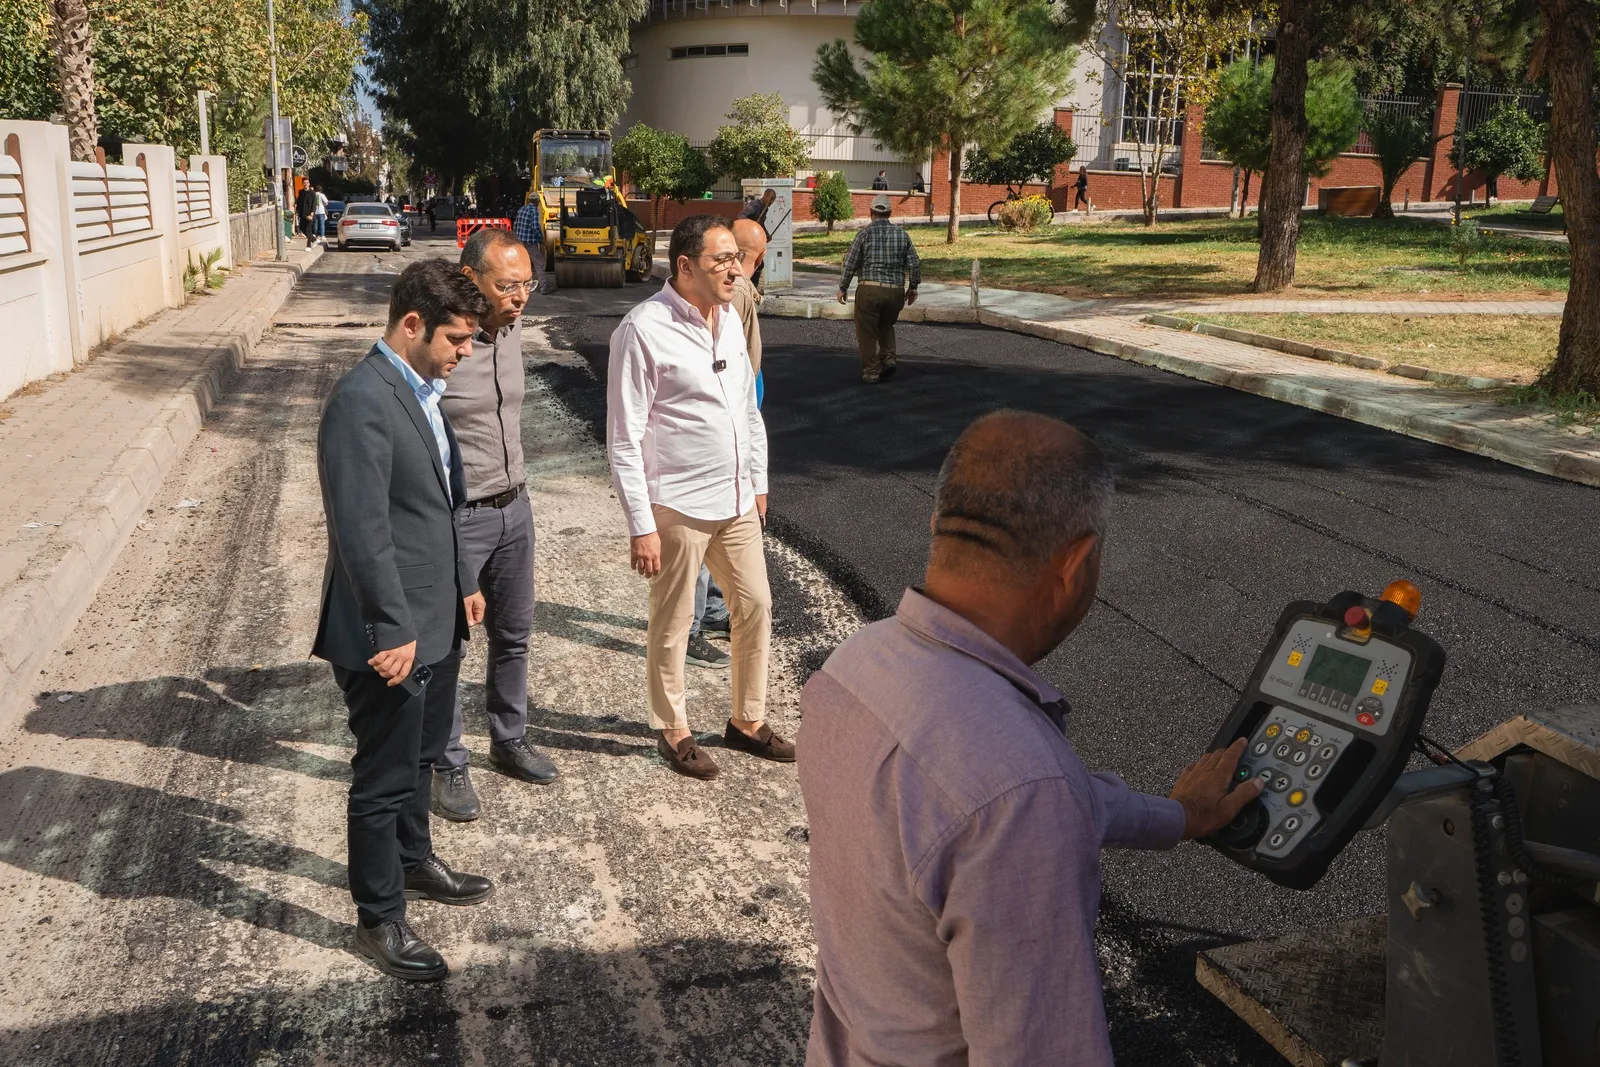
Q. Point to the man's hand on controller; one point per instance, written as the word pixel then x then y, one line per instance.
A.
pixel 1204 790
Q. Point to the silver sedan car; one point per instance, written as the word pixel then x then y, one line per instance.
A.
pixel 370 224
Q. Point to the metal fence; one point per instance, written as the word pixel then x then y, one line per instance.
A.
pixel 1121 142
pixel 1476 106
pixel 1418 106
pixel 251 232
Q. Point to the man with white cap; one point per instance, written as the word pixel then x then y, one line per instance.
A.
pixel 885 261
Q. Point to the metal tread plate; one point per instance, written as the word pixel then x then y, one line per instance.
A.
pixel 1570 735
pixel 1315 995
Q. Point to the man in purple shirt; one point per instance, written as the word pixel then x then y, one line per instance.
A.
pixel 955 835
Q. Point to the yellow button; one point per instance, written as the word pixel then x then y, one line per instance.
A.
pixel 1274 730
pixel 1303 736
pixel 1295 658
pixel 1380 686
pixel 1297 798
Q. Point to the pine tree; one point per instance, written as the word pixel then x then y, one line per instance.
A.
pixel 953 72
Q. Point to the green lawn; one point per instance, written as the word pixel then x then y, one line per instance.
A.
pixel 1217 257
pixel 1518 215
pixel 1518 347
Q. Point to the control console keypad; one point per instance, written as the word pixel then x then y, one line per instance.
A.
pixel 1290 752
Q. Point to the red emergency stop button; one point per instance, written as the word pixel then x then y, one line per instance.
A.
pixel 1366 719
pixel 1357 617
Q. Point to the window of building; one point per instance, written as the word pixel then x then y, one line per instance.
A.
pixel 699 51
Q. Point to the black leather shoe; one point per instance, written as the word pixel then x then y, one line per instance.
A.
pixel 453 796
pixel 397 950
pixel 521 760
pixel 434 880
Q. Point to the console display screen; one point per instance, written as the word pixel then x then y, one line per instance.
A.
pixel 1339 671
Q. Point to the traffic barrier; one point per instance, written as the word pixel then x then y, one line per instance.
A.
pixel 467 227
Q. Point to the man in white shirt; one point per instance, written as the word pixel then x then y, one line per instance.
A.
pixel 688 456
pixel 319 214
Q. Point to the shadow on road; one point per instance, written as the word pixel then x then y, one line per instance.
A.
pixel 567 623
pixel 124 841
pixel 235 713
pixel 704 1002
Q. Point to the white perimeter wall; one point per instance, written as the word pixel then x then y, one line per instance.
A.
pixel 88 251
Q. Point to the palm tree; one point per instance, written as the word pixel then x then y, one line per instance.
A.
pixel 1398 140
pixel 69 27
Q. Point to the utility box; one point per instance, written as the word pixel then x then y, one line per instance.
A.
pixel 778 219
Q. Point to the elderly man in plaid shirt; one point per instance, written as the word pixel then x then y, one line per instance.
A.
pixel 528 227
pixel 886 262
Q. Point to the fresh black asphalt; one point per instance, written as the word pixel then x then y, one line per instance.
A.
pixel 1229 506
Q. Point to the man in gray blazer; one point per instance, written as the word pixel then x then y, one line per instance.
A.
pixel 397 600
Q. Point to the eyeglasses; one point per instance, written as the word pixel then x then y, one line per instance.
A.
pixel 507 288
pixel 726 261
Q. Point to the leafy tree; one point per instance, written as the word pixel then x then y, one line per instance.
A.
pixel 831 202
pixel 1239 121
pixel 1399 139
pixel 663 164
pixel 1167 59
pixel 1032 155
pixel 151 57
pixel 27 76
pixel 952 72
pixel 757 141
pixel 1508 141
pixel 468 82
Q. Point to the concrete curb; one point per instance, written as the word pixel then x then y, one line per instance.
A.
pixel 1328 355
pixel 41 608
pixel 1392 415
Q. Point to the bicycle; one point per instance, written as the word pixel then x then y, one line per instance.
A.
pixel 1011 194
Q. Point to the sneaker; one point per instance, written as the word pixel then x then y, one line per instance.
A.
pixel 889 367
pixel 453 795
pixel 702 653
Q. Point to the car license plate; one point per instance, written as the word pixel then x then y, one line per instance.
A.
pixel 367 225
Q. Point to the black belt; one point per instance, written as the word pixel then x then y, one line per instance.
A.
pixel 502 500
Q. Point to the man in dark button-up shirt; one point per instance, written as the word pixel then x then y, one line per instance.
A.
pixel 955 834
pixel 485 409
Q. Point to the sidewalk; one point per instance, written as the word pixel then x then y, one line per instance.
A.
pixel 1465 419
pixel 85 454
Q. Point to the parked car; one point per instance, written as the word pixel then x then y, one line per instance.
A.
pixel 405 228
pixel 335 209
pixel 370 224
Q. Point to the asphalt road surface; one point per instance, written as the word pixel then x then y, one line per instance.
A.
pixel 1229 506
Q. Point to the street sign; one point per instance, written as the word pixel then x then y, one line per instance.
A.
pixel 285 142
pixel 298 157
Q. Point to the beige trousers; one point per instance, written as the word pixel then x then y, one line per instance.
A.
pixel 732 549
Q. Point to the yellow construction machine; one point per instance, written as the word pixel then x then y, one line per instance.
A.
pixel 592 239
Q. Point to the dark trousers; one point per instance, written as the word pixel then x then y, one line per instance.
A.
pixel 399 737
pixel 877 309
pixel 1080 198
pixel 497 544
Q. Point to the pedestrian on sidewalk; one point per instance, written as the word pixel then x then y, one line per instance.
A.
pixel 1080 196
pixel 397 601
pixel 528 227
pixel 710 611
pixel 433 222
pixel 484 404
pixel 955 834
pixel 305 206
pixel 886 261
pixel 688 455
pixel 320 213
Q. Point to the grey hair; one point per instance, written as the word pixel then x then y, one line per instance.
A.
pixel 475 253
pixel 1023 492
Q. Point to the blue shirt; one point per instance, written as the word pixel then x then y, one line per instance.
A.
pixel 428 393
pixel 528 226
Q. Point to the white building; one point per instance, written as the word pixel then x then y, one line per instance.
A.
pixel 691 58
